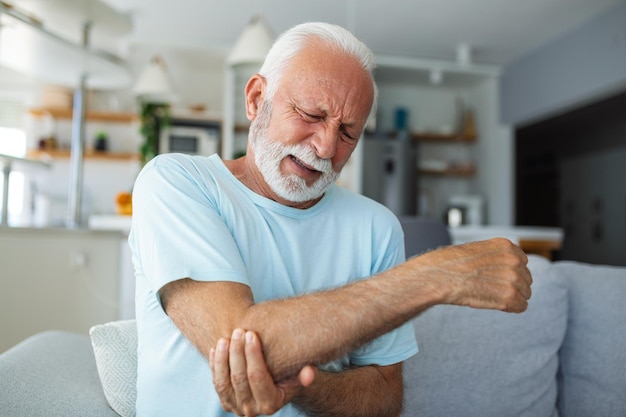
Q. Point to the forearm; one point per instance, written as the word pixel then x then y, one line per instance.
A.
pixel 320 327
pixel 361 392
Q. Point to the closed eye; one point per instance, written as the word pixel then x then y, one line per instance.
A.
pixel 308 117
pixel 347 134
pixel 314 118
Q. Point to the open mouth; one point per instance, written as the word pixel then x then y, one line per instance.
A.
pixel 302 164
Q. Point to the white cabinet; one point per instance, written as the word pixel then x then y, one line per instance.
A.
pixel 57 279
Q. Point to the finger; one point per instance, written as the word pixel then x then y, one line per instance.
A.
pixel 525 272
pixel 270 396
pixel 523 281
pixel 261 381
pixel 221 374
pixel 238 369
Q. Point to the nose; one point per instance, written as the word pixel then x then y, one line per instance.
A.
pixel 324 141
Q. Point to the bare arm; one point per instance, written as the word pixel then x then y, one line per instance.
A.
pixel 316 328
pixel 365 392
pixel 245 386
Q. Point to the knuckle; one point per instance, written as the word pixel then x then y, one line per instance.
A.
pixel 221 386
pixel 266 408
pixel 255 376
pixel 512 259
pixel 238 379
pixel 249 410
pixel 504 242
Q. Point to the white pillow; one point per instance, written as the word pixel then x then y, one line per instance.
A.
pixel 115 349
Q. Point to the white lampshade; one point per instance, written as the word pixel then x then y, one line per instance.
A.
pixel 153 85
pixel 253 44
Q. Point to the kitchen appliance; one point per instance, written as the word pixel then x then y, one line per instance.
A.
pixel 455 216
pixel 464 210
pixel 193 139
pixel 390 173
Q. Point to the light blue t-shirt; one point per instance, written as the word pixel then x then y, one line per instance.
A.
pixel 193 218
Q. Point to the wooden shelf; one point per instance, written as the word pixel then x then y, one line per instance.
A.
pixel 89 154
pixel 443 138
pixel 65 113
pixel 449 172
pixel 434 137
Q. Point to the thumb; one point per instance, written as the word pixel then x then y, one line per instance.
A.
pixel 306 376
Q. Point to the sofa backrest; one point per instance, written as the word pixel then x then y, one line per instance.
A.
pixel 563 357
pixel 478 363
pixel 592 377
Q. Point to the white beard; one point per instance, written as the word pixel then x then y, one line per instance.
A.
pixel 268 155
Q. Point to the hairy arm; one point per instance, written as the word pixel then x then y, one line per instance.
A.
pixel 367 391
pixel 319 327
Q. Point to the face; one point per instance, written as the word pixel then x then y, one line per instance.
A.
pixel 269 154
pixel 304 137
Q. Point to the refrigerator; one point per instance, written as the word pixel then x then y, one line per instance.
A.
pixel 390 173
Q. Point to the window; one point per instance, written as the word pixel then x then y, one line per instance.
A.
pixel 12 143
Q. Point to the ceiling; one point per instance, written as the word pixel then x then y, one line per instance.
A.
pixel 498 31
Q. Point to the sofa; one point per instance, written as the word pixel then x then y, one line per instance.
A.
pixel 565 356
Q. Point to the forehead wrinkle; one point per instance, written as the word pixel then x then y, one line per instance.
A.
pixel 306 66
pixel 330 106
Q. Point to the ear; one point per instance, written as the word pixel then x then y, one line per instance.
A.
pixel 255 94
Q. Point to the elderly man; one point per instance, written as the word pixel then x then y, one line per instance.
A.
pixel 263 287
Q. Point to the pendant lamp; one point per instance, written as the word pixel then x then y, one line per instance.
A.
pixel 253 44
pixel 153 85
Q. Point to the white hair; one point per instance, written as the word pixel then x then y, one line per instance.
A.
pixel 291 42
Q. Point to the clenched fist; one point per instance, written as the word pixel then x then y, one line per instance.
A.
pixel 490 274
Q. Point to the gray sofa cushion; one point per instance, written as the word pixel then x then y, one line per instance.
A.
pixel 51 374
pixel 458 372
pixel 593 356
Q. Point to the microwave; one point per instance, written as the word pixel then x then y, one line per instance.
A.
pixel 192 140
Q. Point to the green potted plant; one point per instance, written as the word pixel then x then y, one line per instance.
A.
pixel 153 118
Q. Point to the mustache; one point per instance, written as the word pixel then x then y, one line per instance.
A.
pixel 307 155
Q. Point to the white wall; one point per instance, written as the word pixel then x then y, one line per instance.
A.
pixel 586 64
pixel 56 279
pixel 197 75
pixel 495 179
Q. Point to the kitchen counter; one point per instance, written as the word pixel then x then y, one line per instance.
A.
pixel 110 222
pixel 532 239
pixel 58 231
pixel 120 224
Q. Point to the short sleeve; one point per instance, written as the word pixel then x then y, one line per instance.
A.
pixel 177 228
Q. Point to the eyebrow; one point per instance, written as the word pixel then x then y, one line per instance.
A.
pixel 321 107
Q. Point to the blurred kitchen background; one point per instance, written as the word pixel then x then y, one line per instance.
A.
pixel 494 118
